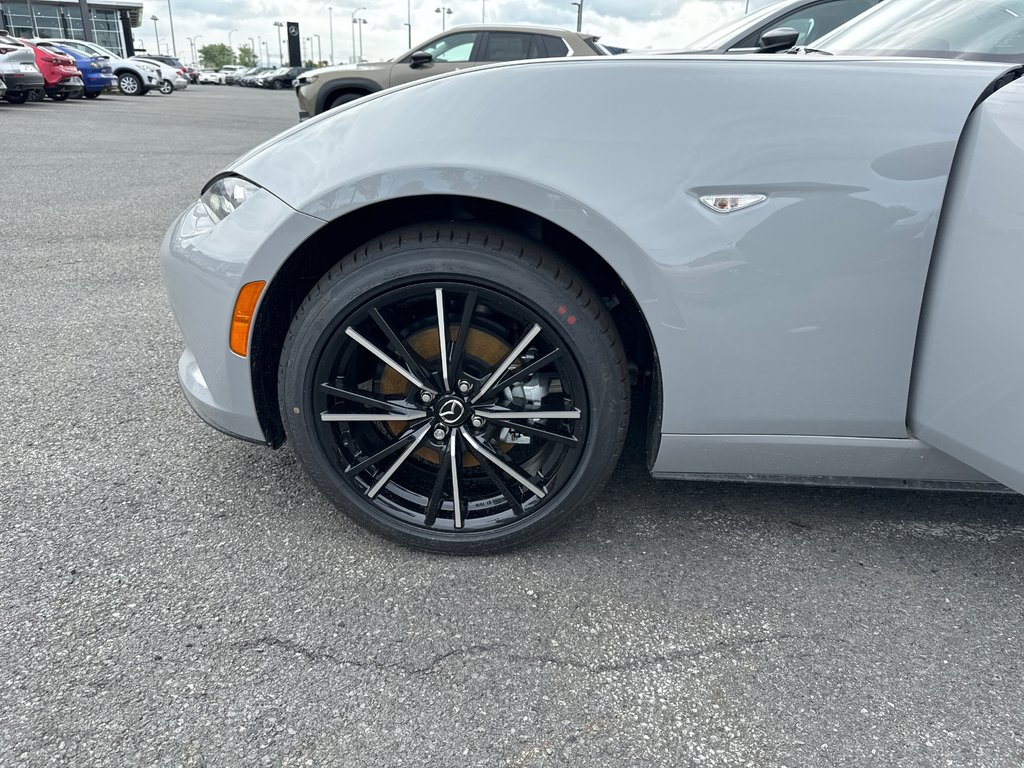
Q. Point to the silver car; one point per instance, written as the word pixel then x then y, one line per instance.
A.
pixel 454 297
pixel 171 79
pixel 22 77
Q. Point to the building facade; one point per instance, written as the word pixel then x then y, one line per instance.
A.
pixel 105 22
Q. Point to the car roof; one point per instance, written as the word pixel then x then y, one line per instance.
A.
pixel 558 31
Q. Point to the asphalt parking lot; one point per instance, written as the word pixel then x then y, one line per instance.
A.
pixel 173 597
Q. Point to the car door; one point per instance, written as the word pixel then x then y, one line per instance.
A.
pixel 810 22
pixel 968 384
pixel 450 52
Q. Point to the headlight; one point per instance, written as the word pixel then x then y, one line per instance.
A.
pixel 308 79
pixel 226 195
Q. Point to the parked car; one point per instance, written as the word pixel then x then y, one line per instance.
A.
pixel 3 86
pixel 21 74
pixel 248 79
pixel 458 48
pixel 170 61
pixel 134 78
pixel 209 76
pixel 233 72
pixel 443 309
pixel 981 30
pixel 171 79
pixel 61 77
pixel 193 75
pixel 283 77
pixel 779 26
pixel 97 75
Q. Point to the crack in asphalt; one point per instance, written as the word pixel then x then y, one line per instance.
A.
pixel 633 665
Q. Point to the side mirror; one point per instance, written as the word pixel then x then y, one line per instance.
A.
pixel 420 58
pixel 781 39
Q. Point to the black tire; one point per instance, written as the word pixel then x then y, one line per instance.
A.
pixel 37 94
pixel 166 87
pixel 129 84
pixel 59 97
pixel 276 85
pixel 92 94
pixel 17 97
pixel 345 98
pixel 539 341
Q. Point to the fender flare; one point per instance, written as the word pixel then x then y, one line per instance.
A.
pixel 327 93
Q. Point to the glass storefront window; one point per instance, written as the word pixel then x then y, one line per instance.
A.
pixel 17 19
pixel 35 18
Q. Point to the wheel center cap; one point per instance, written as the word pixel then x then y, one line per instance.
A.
pixel 452 411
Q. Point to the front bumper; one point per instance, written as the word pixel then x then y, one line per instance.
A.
pixel 204 266
pixel 306 94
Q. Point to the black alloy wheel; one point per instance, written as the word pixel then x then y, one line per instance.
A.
pixel 460 390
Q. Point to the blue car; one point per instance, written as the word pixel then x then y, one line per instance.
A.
pixel 96 72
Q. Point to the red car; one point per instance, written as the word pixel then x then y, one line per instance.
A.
pixel 60 73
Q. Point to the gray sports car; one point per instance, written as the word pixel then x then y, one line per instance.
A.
pixel 447 296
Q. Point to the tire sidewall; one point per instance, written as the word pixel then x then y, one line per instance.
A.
pixel 587 342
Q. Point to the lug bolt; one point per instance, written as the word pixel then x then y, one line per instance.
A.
pixel 478 422
pixel 440 433
pixel 465 386
pixel 426 397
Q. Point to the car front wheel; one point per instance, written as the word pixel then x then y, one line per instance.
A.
pixel 130 85
pixel 455 389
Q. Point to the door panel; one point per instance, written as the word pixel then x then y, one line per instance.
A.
pixel 968 385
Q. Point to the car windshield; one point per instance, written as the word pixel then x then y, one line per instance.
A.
pixel 97 50
pixel 978 29
pixel 723 35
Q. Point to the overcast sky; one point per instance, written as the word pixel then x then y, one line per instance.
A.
pixel 627 23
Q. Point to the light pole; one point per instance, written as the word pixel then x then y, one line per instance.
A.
pixel 319 50
pixel 195 50
pixel 280 49
pixel 408 20
pixel 156 33
pixel 483 11
pixel 354 22
pixel 266 50
pixel 330 24
pixel 444 10
pixel 252 48
pixel 230 45
pixel 579 15
pixel 170 19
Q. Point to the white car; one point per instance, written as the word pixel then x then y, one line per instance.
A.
pixel 170 79
pixel 134 78
pixel 209 76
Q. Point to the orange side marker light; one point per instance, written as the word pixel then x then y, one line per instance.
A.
pixel 241 318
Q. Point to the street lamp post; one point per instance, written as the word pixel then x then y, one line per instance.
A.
pixel 579 15
pixel 230 44
pixel 355 60
pixel 280 48
pixel 195 49
pixel 170 19
pixel 408 20
pixel 156 33
pixel 266 50
pixel 330 24
pixel 252 48
pixel 319 50
pixel 444 10
pixel 483 11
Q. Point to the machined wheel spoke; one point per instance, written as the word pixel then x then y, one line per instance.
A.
pixel 434 504
pixel 532 431
pixel 459 346
pixel 385 358
pixel 417 438
pixel 412 360
pixel 499 415
pixel 526 371
pixel 509 359
pixel 501 464
pixel 392 411
pixel 442 337
pixel 499 483
pixel 455 458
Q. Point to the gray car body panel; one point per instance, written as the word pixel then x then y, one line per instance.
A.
pixel 798 316
pixel 968 395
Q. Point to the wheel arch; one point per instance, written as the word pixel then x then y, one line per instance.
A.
pixel 314 257
pixel 330 92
